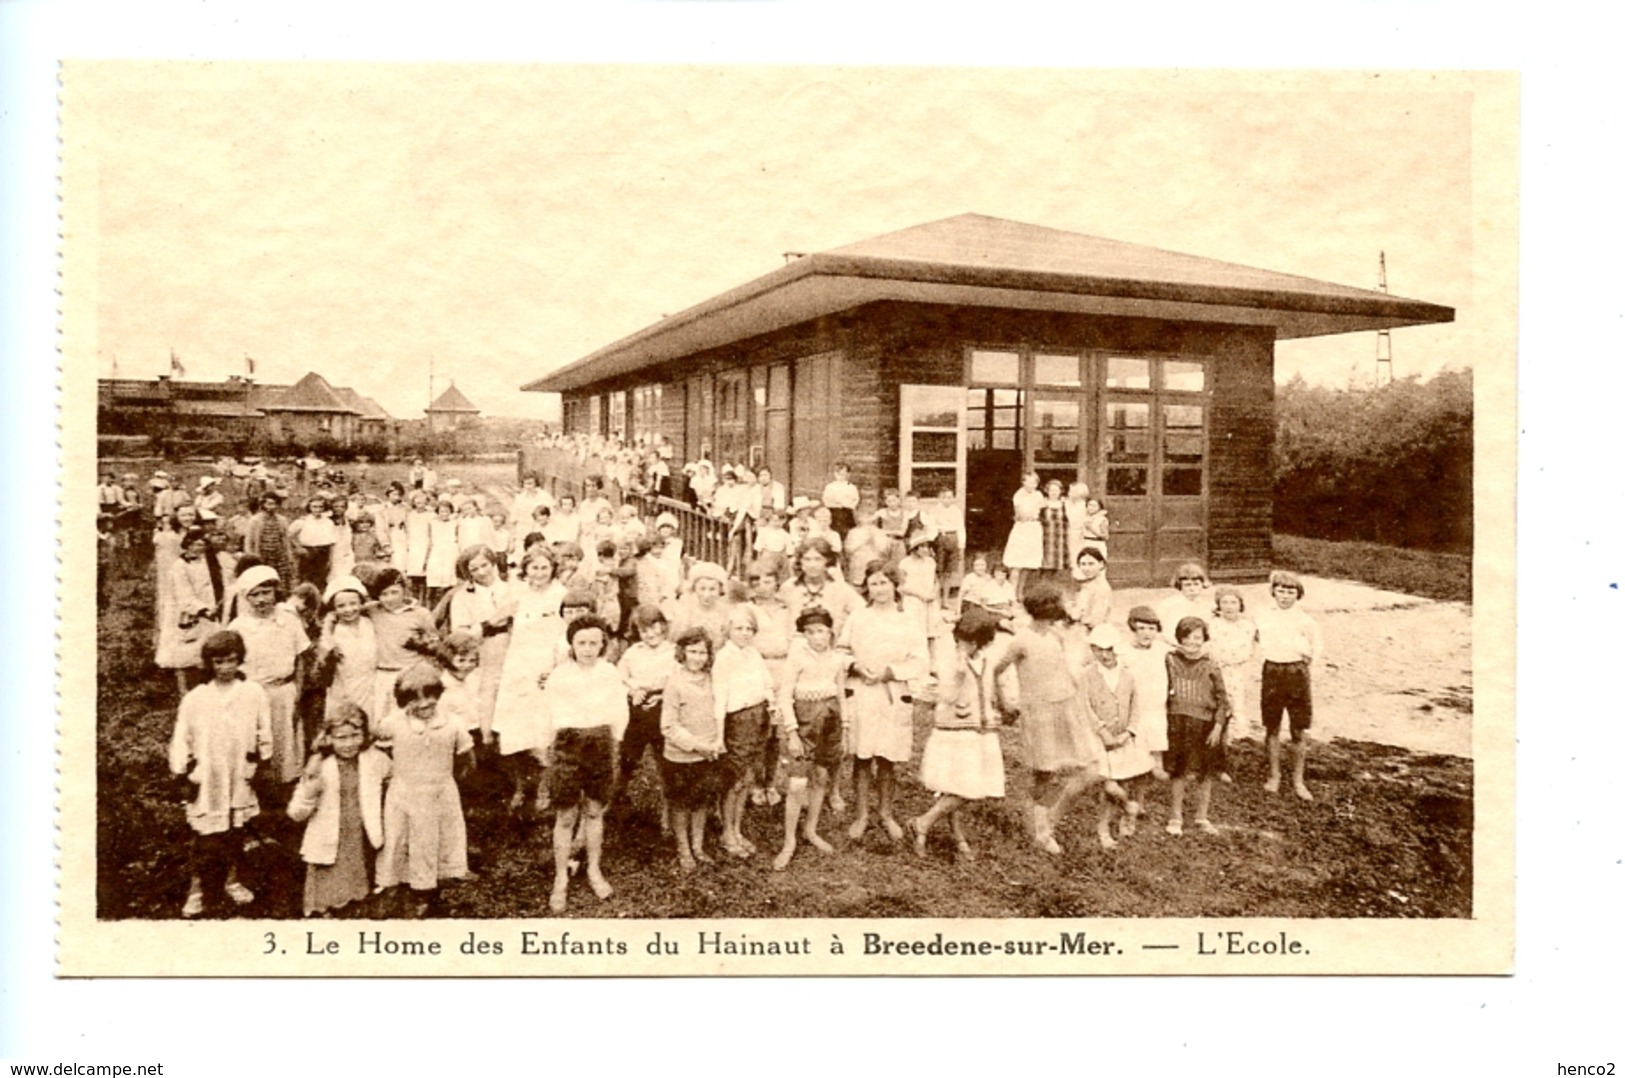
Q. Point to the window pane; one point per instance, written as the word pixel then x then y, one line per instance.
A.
pixel 1182 448
pixel 1182 415
pixel 1182 481
pixel 1055 370
pixel 1128 434
pixel 934 448
pixel 1182 375
pixel 995 367
pixel 1125 482
pixel 1055 430
pixel 934 406
pixel 1007 397
pixel 927 481
pixel 976 438
pixel 1005 439
pixel 1124 373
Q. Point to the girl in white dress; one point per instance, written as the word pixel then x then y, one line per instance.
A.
pixel 888 649
pixel 962 762
pixel 440 568
pixel 520 720
pixel 1232 643
pixel 1024 549
pixel 418 520
pixel 347 652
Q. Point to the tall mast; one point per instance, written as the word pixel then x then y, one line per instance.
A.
pixel 1385 352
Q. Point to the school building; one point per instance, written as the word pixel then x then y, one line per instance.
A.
pixel 967 351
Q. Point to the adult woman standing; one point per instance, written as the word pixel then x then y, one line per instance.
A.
pixel 888 649
pixel 1024 549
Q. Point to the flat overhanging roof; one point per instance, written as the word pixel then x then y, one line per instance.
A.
pixel 979 261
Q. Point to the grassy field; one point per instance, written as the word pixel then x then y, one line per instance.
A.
pixel 1389 836
pixel 1431 574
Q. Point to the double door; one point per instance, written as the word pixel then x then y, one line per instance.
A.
pixel 1138 445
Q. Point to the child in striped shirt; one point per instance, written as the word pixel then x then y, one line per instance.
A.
pixel 1198 711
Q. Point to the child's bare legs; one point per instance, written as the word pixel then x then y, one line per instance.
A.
pixel 680 826
pixel 792 816
pixel 733 814
pixel 1176 806
pixel 961 843
pixel 1158 772
pixel 696 835
pixel 1204 797
pixel 564 829
pixel 1045 789
pixel 837 803
pixel 1272 749
pixel 815 809
pixel 1070 787
pixel 886 781
pixel 1113 799
pixel 593 824
pixel 862 777
pixel 922 824
pixel 1299 750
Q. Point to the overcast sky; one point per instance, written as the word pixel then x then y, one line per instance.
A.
pixel 363 221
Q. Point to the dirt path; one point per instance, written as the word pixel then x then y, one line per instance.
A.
pixel 1399 669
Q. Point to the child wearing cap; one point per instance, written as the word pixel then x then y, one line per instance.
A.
pixel 1146 659
pixel 1110 704
pixel 1290 643
pixel 347 652
pixel 918 570
pixel 775 628
pixel 704 605
pixel 276 649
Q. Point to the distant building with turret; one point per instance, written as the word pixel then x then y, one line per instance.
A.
pixel 450 411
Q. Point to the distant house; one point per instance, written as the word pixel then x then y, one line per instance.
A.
pixel 241 413
pixel 963 353
pixel 450 411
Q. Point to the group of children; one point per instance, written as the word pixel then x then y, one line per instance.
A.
pixel 560 677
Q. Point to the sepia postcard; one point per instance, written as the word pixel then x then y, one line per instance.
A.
pixel 820 521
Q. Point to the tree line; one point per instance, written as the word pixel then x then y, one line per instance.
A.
pixel 1389 465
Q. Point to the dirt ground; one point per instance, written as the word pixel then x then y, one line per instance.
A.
pixel 1389 834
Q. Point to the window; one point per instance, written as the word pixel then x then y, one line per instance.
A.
pixel 994 367
pixel 1182 450
pixel 1056 370
pixel 1128 448
pixel 993 418
pixel 931 422
pixel 1123 372
pixel 1183 376
pixel 617 415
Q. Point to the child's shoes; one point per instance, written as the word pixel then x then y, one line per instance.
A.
pixel 194 904
pixel 238 893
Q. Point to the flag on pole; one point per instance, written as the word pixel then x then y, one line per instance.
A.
pixel 175 367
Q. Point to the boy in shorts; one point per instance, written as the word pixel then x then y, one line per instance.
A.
pixel 1290 642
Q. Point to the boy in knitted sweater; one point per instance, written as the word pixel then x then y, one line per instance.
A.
pixel 1198 711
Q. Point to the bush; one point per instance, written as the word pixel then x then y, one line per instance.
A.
pixel 1391 465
